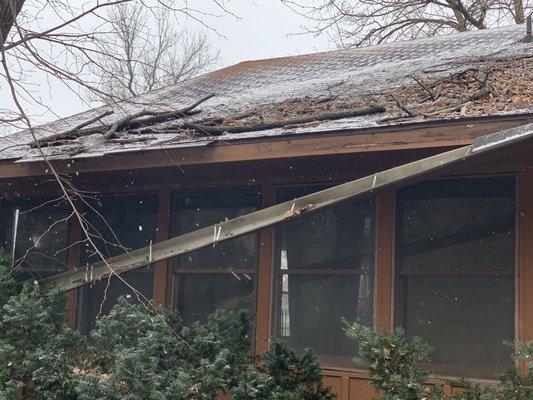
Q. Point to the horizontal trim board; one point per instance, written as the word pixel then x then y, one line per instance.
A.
pixel 282 212
pixel 411 136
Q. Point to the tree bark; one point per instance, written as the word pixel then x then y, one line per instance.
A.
pixel 9 9
pixel 519 11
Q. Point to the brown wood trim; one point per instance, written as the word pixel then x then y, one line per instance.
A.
pixel 494 274
pixel 73 259
pixel 307 271
pixel 384 273
pixel 345 387
pixel 265 276
pixel 161 273
pixel 213 271
pixel 401 137
pixel 524 286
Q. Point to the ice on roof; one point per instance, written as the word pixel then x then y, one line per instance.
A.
pixel 354 74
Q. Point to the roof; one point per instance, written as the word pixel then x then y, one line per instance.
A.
pixel 479 73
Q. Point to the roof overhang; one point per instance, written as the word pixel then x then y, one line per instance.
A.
pixel 412 136
pixel 353 190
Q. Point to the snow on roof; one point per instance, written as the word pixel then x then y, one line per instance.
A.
pixel 407 78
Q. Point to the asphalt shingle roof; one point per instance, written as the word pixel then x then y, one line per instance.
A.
pixel 321 81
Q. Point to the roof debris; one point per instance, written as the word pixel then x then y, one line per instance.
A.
pixel 481 73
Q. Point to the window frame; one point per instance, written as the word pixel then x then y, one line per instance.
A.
pixel 175 272
pixel 396 274
pixel 38 201
pixel 329 362
pixel 78 299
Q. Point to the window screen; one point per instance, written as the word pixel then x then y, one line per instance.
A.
pixel 34 232
pixel 219 276
pixel 117 224
pixel 455 272
pixel 325 268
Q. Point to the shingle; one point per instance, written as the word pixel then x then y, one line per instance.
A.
pixel 354 75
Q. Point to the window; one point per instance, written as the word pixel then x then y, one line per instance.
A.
pixel 34 232
pixel 219 276
pixel 118 223
pixel 325 268
pixel 455 272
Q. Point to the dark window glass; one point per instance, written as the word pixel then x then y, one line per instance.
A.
pixel 201 294
pixel 219 276
pixel 325 269
pixel 455 272
pixel 117 224
pixel 34 232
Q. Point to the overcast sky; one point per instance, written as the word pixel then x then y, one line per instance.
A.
pixel 263 29
pixel 266 28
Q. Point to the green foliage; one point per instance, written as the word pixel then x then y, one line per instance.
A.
pixel 283 375
pixel 136 353
pixel 392 361
pixel 512 386
pixel 36 348
pixel 139 354
pixel 524 351
pixel 7 280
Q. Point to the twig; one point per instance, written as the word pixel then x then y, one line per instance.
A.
pixel 219 130
pixel 426 89
pixel 403 107
pixel 70 133
pixel 129 121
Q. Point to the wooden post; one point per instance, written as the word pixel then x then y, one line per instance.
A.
pixel 524 276
pixel 384 272
pixel 265 276
pixel 161 272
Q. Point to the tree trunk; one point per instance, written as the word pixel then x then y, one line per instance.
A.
pixel 519 17
pixel 461 21
pixel 9 9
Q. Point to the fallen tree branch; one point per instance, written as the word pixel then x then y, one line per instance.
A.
pixel 70 134
pixel 431 95
pixel 404 108
pixel 153 117
pixel 267 217
pixel 220 130
pixel 482 77
pixel 127 122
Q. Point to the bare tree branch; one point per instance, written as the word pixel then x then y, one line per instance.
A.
pixel 362 22
pixel 137 57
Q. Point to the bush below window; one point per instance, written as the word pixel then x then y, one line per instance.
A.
pixel 393 363
pixel 136 353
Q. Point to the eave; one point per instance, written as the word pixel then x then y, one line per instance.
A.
pixel 411 136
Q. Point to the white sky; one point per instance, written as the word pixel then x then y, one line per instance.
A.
pixel 264 29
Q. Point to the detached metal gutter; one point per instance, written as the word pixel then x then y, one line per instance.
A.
pixel 282 212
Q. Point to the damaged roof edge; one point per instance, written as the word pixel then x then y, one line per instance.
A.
pixel 444 134
pixel 285 211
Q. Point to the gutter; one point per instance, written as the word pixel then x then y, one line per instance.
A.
pixel 285 211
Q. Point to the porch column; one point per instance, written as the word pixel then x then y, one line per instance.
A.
pixel 265 275
pixel 161 273
pixel 524 274
pixel 384 272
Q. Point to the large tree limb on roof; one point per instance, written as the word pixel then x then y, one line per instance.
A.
pixel 334 115
pixel 107 130
pixel 9 10
pixel 282 212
